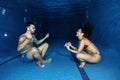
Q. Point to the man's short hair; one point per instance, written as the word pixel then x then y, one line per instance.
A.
pixel 29 23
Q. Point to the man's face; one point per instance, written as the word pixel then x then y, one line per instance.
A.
pixel 32 28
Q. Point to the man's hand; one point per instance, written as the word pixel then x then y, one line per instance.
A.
pixel 29 36
pixel 47 35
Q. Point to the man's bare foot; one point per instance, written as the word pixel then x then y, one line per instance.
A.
pixel 39 63
pixel 48 60
pixel 82 64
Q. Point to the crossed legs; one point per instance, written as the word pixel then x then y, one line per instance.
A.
pixel 39 53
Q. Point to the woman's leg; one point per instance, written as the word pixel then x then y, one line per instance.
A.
pixel 82 61
pixel 83 56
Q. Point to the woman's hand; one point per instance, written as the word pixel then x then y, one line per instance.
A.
pixel 67 45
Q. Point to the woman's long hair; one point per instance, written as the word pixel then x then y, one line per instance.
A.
pixel 87 29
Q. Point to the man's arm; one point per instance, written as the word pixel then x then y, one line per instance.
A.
pixel 41 40
pixel 23 40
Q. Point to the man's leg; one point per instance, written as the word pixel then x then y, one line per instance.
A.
pixel 42 50
pixel 33 53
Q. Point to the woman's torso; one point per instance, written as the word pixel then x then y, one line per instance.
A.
pixel 91 47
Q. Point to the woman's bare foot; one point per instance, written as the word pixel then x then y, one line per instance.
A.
pixel 82 64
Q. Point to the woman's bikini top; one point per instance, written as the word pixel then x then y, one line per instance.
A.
pixel 86 46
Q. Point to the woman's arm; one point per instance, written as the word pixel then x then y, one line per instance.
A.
pixel 81 46
pixel 71 46
pixel 68 45
pixel 76 51
pixel 73 51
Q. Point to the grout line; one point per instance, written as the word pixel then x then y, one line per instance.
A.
pixel 81 70
pixel 9 59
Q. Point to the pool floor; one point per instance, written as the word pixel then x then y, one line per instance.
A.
pixel 62 67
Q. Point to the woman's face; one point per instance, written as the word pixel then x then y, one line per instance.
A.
pixel 32 28
pixel 79 34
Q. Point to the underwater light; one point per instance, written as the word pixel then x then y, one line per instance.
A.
pixel 5 34
pixel 3 11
